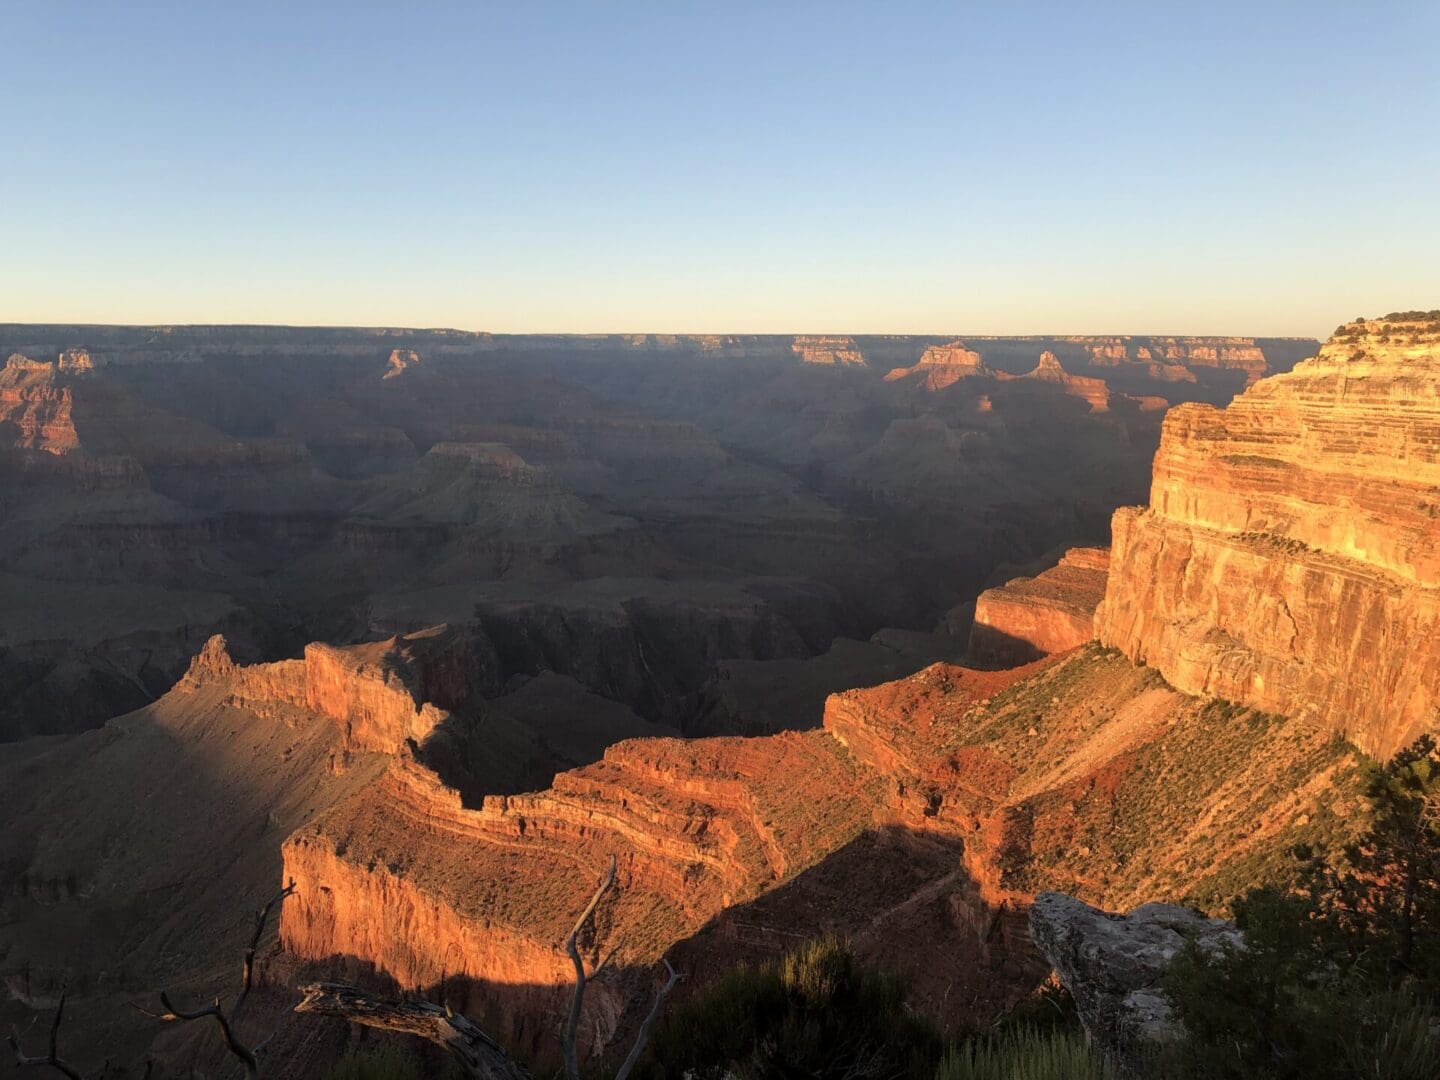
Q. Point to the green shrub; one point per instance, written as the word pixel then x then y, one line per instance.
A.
pixel 816 1012
pixel 1025 1053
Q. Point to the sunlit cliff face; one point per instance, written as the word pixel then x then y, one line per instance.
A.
pixel 1290 554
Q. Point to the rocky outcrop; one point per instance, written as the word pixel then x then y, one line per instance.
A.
pixel 942 366
pixel 828 350
pixel 1030 617
pixel 36 409
pixel 400 361
pixel 1093 392
pixel 695 827
pixel 1290 555
pixel 1114 965
pixel 381 695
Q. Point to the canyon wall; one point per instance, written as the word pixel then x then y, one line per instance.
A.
pixel 1289 558
pixel 1030 617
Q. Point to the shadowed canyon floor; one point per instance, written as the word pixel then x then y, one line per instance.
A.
pixel 584 500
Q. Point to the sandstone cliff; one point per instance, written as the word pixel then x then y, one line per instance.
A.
pixel 1290 555
pixel 35 408
pixel 1092 391
pixel 1030 617
pixel 1083 773
pixel 828 350
pixel 942 366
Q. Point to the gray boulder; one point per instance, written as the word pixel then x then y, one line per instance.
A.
pixel 1114 965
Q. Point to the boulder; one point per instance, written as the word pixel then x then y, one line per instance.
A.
pixel 1114 965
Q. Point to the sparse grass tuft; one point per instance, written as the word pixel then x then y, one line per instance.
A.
pixel 1025 1053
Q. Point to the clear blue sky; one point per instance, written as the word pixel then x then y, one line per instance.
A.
pixel 1002 167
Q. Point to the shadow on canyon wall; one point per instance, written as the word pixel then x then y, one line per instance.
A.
pixel 899 896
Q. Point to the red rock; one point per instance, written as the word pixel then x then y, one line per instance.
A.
pixel 1290 555
pixel 1031 617
pixel 942 366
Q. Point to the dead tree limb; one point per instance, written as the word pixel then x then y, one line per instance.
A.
pixel 472 1048
pixel 247 1056
pixel 52 1058
pixel 572 1027
pixel 643 1035
pixel 248 969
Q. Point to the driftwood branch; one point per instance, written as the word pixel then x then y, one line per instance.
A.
pixel 572 1027
pixel 643 1035
pixel 477 1052
pixel 247 1056
pixel 52 1057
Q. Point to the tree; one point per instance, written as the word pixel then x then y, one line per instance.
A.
pixel 1339 977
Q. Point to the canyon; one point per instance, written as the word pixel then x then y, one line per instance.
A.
pixel 811 635
pixel 745 497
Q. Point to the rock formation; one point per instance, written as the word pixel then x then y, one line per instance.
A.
pixel 992 783
pixel 1114 965
pixel 1030 617
pixel 35 408
pixel 828 350
pixel 1290 555
pixel 942 366
pixel 1092 391
pixel 400 361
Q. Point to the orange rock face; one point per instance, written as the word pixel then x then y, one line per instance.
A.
pixel 35 411
pixel 400 360
pixel 942 366
pixel 372 691
pixel 1093 391
pixel 1290 555
pixel 919 820
pixel 1031 617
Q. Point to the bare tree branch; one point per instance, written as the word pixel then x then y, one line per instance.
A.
pixel 248 970
pixel 226 1022
pixel 643 1035
pixel 476 1051
pixel 234 1045
pixel 572 1027
pixel 52 1058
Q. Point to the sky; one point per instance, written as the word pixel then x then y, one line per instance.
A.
pixel 1256 168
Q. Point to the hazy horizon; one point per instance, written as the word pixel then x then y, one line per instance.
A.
pixel 1014 169
pixel 632 332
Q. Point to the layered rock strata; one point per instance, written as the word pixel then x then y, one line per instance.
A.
pixel 942 366
pixel 1030 617
pixel 1093 392
pixel 1290 555
pixel 996 783
pixel 828 350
